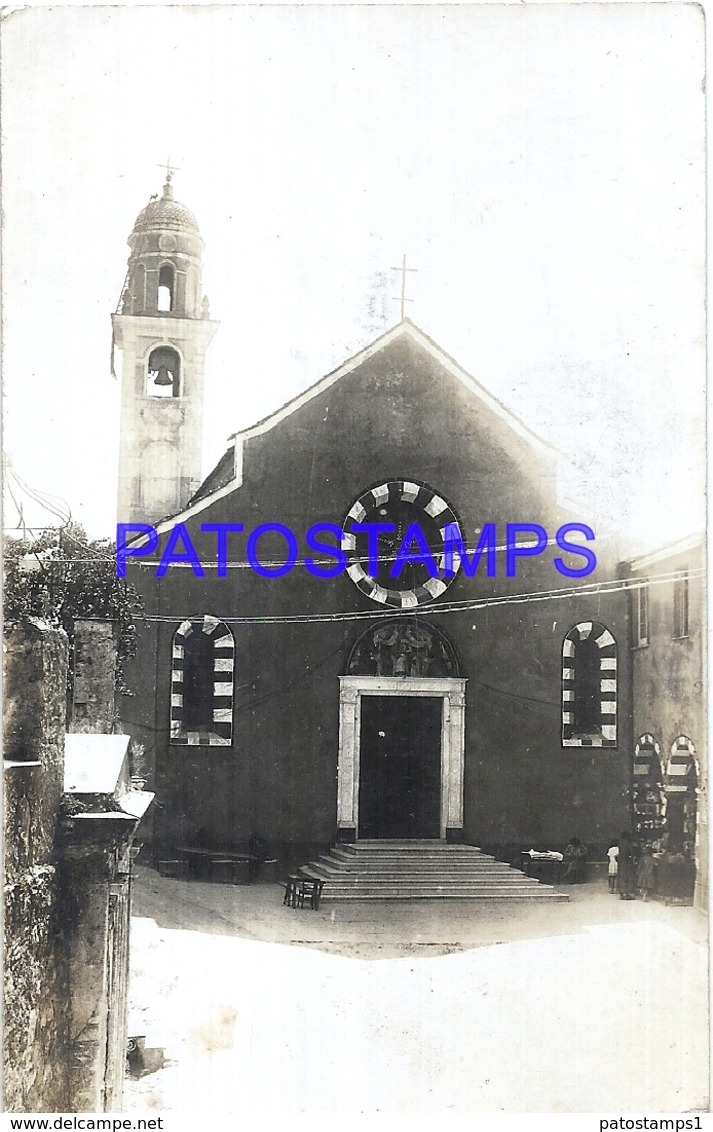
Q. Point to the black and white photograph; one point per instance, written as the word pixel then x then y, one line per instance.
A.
pixel 354 542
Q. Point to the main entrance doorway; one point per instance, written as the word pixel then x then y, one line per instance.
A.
pixel 400 767
pixel 415 767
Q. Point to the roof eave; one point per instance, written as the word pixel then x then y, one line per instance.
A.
pixel 669 550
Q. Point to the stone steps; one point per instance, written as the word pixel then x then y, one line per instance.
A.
pixel 421 870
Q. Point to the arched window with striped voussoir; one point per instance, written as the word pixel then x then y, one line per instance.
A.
pixel 202 666
pixel 648 795
pixel 589 686
pixel 682 785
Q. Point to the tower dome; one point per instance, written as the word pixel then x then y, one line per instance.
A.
pixel 165 212
pixel 164 275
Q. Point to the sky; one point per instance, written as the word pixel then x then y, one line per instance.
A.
pixel 541 166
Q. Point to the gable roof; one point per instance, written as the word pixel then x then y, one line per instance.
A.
pixel 227 474
pixel 404 329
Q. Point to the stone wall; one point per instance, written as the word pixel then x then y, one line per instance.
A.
pixel 67 888
pixel 36 1005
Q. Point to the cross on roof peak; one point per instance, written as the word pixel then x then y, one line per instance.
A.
pixel 402 299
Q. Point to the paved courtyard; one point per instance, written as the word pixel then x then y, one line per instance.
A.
pixel 426 1006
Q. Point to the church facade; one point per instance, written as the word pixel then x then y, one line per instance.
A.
pixel 348 702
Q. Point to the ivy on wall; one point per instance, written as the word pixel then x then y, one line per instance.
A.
pixel 62 577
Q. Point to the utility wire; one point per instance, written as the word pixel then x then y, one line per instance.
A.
pixel 18 506
pixel 467 605
pixel 52 503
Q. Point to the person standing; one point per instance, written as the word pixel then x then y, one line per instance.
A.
pixel 627 867
pixel 613 855
pixel 575 856
pixel 645 874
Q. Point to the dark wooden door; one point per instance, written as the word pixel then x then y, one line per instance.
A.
pixel 400 767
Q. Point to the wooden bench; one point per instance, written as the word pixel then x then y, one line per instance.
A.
pixel 545 869
pixel 222 866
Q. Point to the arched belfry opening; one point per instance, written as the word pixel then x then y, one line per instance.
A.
pixel 401 735
pixel 163 373
pixel 166 288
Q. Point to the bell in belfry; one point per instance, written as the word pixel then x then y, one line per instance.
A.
pixel 164 376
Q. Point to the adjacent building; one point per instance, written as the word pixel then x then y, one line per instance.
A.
pixel 669 769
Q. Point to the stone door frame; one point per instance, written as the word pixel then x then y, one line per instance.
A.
pixel 451 691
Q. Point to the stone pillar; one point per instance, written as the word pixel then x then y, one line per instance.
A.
pixel 34 710
pixel 348 764
pixel 93 703
pixel 98 863
pixel 117 991
pixel 454 721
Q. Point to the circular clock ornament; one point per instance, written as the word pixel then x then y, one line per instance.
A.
pixel 167 242
pixel 402 503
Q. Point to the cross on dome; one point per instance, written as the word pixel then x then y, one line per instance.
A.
pixel 170 170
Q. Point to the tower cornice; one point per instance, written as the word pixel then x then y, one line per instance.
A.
pixel 130 328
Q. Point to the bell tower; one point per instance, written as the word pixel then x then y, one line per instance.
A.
pixel 163 330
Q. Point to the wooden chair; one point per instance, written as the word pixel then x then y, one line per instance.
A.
pixel 290 898
pixel 310 890
pixel 301 890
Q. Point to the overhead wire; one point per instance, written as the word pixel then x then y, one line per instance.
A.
pixel 467 605
pixel 595 589
pixel 54 504
pixel 464 605
pixel 18 506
